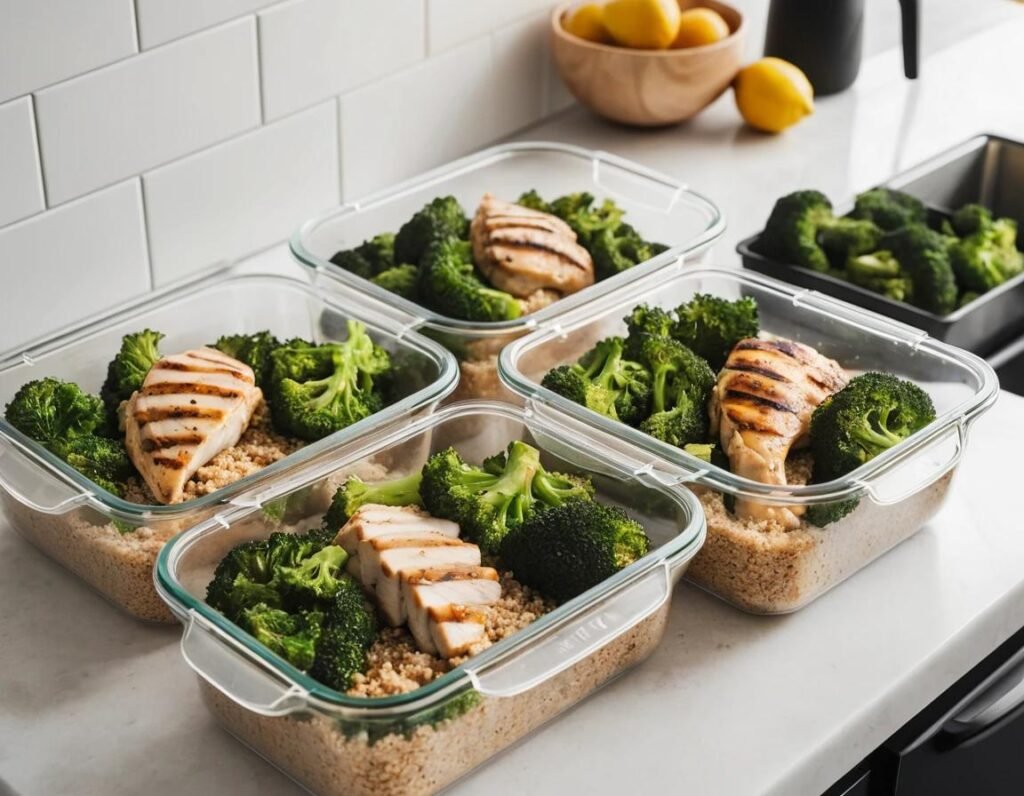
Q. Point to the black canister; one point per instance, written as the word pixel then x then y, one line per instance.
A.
pixel 824 37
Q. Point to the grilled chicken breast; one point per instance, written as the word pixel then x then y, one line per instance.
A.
pixel 190 408
pixel 761 408
pixel 522 251
pixel 421 573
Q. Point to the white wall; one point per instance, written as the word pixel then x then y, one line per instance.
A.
pixel 142 142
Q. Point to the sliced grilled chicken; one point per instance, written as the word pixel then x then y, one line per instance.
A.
pixel 522 251
pixel 762 406
pixel 429 590
pixel 456 628
pixel 190 408
pixel 372 521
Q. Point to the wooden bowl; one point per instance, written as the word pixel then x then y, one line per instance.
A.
pixel 648 88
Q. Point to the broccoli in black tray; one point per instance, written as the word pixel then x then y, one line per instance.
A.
pixel 512 259
pixel 889 245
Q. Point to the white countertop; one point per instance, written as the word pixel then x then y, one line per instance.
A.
pixel 95 704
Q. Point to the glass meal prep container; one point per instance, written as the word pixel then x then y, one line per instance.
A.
pixel 421 741
pixel 112 543
pixel 661 208
pixel 765 569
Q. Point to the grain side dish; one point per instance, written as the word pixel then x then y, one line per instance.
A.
pixel 704 377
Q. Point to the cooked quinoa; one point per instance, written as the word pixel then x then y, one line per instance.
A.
pixel 762 567
pixel 395 666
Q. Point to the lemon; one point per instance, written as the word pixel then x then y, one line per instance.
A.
pixel 700 26
pixel 643 24
pixel 773 94
pixel 587 22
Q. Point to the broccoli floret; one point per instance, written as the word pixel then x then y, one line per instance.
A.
pixel 987 255
pixel 292 636
pixel 99 459
pixel 618 249
pixel 534 201
pixel 441 218
pixel 675 369
pixel 588 222
pixel 967 298
pixel 126 371
pixel 52 411
pixel 350 628
pixel 369 258
pixel 970 219
pixel 317 390
pixel 567 549
pixel 710 326
pixel 252 349
pixel 791 232
pixel 356 493
pixel 243 579
pixel 448 283
pixel 401 279
pixel 923 255
pixel 645 320
pixel 867 417
pixel 880 272
pixel 312 578
pixel 822 514
pixel 702 450
pixel 889 209
pixel 488 502
pixel 848 238
pixel 605 382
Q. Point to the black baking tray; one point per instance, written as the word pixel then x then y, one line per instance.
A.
pixel 987 169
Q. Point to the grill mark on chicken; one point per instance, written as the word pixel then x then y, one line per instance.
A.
pixel 759 400
pixel 760 370
pixel 168 462
pixel 171 441
pixel 148 416
pixel 191 388
pixel 538 245
pixel 163 364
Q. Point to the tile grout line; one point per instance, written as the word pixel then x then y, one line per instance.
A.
pixel 39 157
pixel 145 232
pixel 260 90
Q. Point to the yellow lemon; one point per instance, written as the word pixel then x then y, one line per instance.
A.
pixel 643 24
pixel 587 22
pixel 773 94
pixel 700 26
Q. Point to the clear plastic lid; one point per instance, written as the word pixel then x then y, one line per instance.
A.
pixel 961 385
pixel 246 671
pixel 190 315
pixel 661 208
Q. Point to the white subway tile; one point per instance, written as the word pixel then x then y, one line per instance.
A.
pixel 21 185
pixel 314 49
pixel 43 41
pixel 242 195
pixel 161 21
pixel 451 22
pixel 68 263
pixel 407 123
pixel 518 78
pixel 150 109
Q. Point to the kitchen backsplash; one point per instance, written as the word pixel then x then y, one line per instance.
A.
pixel 143 142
